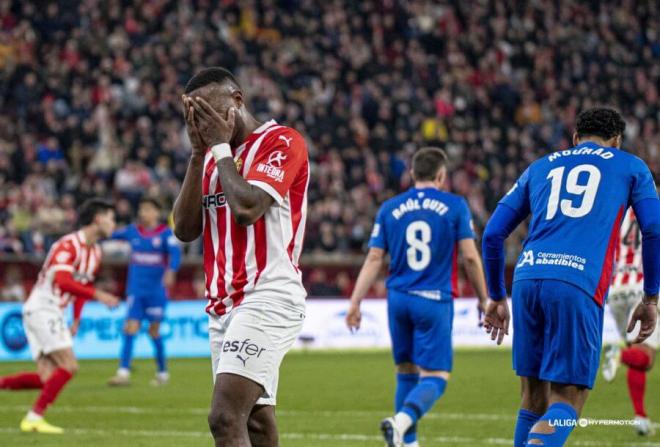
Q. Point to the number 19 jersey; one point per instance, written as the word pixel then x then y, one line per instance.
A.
pixel 420 230
pixel 577 198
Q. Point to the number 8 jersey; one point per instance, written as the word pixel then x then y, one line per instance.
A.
pixel 420 230
pixel 577 198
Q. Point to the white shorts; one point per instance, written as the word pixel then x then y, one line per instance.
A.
pixel 46 331
pixel 251 341
pixel 622 301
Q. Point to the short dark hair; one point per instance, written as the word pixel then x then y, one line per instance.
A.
pixel 427 162
pixel 152 200
pixel 91 208
pixel 600 122
pixel 211 75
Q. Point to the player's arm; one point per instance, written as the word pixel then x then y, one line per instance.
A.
pixel 474 269
pixel 173 261
pixel 648 217
pixel 373 263
pixel 78 304
pixel 65 281
pixel 511 211
pixel 247 202
pixel 187 211
pixel 471 259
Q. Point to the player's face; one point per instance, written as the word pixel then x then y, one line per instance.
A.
pixel 148 214
pixel 106 223
pixel 221 98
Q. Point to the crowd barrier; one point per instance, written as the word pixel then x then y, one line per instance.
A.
pixel 186 327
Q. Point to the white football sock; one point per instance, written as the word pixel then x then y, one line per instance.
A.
pixel 402 421
pixel 32 416
pixel 124 372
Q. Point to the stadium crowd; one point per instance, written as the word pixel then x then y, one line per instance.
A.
pixel 90 96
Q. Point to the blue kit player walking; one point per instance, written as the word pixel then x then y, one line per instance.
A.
pixel 154 260
pixel 423 230
pixel 577 198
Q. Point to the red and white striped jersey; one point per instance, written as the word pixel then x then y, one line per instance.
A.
pixel 71 254
pixel 629 253
pixel 258 262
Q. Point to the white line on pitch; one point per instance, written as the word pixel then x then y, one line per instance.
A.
pixel 345 437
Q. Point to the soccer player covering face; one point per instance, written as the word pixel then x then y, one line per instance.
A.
pixel 423 230
pixel 155 258
pixel 245 193
pixel 66 276
pixel 577 199
pixel 626 292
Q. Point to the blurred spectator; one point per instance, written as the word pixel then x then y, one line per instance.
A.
pixel 320 286
pixel 12 286
pixel 90 96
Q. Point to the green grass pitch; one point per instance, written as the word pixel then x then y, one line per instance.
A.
pixel 325 399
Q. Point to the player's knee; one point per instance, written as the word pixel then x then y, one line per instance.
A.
pixel 131 327
pixel 222 423
pixel 154 331
pixel 407 368
pixel 72 366
pixel 262 433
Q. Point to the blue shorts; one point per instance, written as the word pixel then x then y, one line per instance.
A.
pixel 421 330
pixel 147 307
pixel 557 332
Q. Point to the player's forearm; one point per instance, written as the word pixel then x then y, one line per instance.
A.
pixel 475 274
pixel 366 278
pixel 246 201
pixel 648 216
pixel 66 283
pixel 187 211
pixel 503 221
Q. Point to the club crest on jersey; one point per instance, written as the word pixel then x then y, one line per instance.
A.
pixel 273 167
pixel 156 242
pixel 214 200
pixel 239 164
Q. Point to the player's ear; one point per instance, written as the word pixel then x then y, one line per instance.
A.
pixel 576 140
pixel 617 141
pixel 237 97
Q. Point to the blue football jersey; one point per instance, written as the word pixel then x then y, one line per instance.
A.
pixel 152 252
pixel 420 230
pixel 577 198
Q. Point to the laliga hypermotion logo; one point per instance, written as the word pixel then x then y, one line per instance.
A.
pixel 12 332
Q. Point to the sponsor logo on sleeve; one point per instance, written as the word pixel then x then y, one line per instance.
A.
pixel 62 257
pixel 273 167
pixel 286 140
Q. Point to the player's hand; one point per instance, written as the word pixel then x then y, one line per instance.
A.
pixel 107 298
pixel 496 319
pixel 75 325
pixel 647 315
pixel 481 310
pixel 169 278
pixel 353 317
pixel 213 128
pixel 198 146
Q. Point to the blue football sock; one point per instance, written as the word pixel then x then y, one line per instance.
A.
pixel 562 417
pixel 423 396
pixel 405 383
pixel 525 422
pixel 127 351
pixel 159 351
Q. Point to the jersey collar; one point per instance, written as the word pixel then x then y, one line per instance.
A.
pixel 264 126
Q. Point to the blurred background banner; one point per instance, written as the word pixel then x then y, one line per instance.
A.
pixel 186 329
